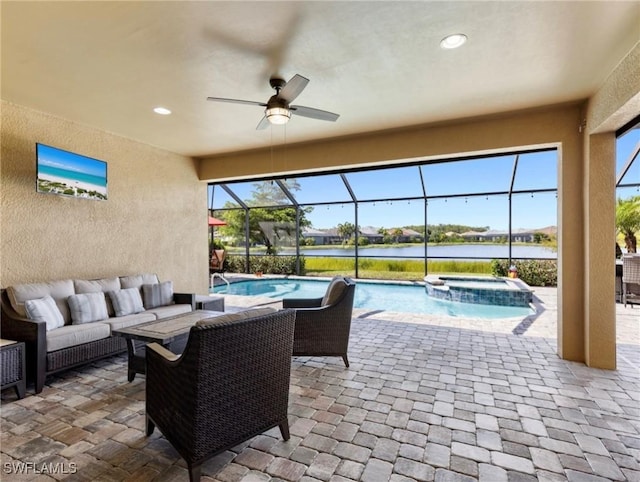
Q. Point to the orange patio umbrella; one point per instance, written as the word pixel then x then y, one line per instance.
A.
pixel 216 222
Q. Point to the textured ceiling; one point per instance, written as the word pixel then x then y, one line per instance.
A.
pixel 378 64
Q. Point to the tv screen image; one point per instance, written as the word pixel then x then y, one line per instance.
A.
pixel 68 174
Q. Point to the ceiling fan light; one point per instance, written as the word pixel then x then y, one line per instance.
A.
pixel 453 41
pixel 277 115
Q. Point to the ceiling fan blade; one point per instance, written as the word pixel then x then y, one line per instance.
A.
pixel 313 113
pixel 293 88
pixel 263 124
pixel 236 101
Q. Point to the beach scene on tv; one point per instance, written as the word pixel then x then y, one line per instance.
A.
pixel 69 174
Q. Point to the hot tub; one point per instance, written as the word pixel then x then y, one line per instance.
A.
pixel 479 290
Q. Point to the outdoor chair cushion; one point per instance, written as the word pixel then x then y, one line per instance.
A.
pixel 58 290
pixel 126 321
pixel 334 291
pixel 136 281
pixel 72 335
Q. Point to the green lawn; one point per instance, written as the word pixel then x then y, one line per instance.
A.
pixel 392 269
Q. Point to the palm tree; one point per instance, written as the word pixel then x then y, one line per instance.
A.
pixel 628 221
pixel 346 230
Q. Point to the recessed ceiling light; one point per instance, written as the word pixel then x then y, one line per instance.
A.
pixel 453 41
pixel 162 111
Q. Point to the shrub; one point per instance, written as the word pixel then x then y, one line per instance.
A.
pixel 534 272
pixel 266 264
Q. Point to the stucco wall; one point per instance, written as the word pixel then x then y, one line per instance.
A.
pixel 154 219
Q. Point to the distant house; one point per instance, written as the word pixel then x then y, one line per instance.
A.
pixel 409 235
pixel 517 235
pixel 322 236
pixel 474 235
pixel 372 234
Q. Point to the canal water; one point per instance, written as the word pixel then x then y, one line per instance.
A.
pixel 453 251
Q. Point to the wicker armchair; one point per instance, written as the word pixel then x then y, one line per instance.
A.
pixel 230 384
pixel 217 261
pixel 630 276
pixel 323 324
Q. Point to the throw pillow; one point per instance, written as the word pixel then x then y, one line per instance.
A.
pixel 126 302
pixel 87 307
pixel 99 285
pixel 334 291
pixel 157 294
pixel 44 309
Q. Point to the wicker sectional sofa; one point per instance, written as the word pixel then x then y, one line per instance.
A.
pixel 75 328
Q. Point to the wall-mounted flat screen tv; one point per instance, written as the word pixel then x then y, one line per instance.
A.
pixel 68 174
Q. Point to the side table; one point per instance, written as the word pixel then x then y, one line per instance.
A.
pixel 12 363
pixel 209 303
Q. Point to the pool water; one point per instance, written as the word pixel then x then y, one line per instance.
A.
pixel 373 296
pixel 476 283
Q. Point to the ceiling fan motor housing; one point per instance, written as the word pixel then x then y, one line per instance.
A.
pixel 277 83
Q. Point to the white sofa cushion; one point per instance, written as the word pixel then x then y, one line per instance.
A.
pixel 157 294
pixel 72 335
pixel 129 320
pixel 126 301
pixel 136 281
pixel 58 290
pixel 87 307
pixel 103 285
pixel 44 309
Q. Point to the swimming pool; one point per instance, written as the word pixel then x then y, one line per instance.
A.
pixel 372 296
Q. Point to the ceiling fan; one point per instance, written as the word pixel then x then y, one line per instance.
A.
pixel 278 109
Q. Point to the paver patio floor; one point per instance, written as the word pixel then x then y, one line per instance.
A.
pixel 424 399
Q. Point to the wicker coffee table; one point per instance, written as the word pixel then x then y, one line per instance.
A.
pixel 169 332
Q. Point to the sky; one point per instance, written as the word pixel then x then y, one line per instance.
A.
pixel 530 210
pixel 53 157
